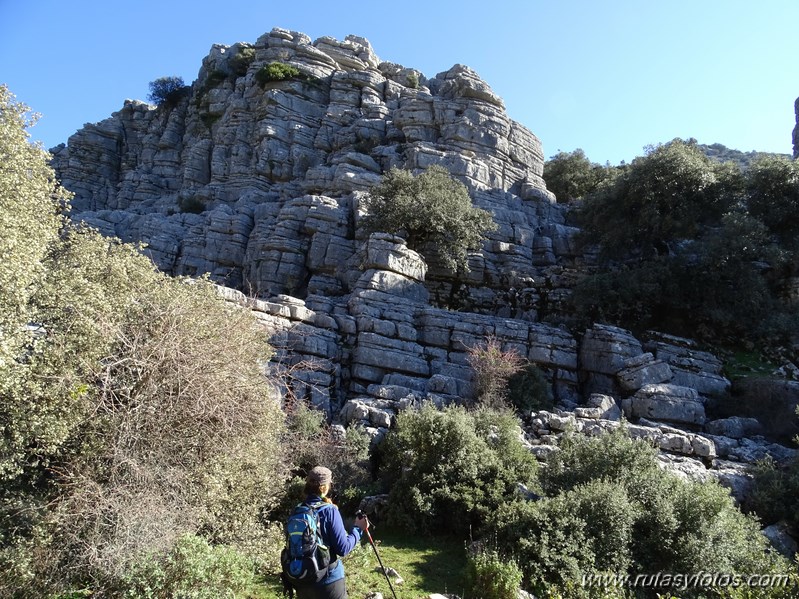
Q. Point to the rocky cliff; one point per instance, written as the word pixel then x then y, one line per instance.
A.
pixel 796 131
pixel 259 182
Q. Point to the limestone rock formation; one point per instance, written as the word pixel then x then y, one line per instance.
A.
pixel 259 179
pixel 796 131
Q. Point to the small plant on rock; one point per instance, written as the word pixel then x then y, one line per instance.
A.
pixel 167 91
pixel 276 71
pixel 241 61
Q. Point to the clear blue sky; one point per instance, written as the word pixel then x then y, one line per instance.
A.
pixel 606 76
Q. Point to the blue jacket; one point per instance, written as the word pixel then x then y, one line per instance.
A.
pixel 335 536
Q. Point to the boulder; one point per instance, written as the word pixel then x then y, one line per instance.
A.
pixel 779 535
pixel 734 427
pixel 668 403
pixel 606 406
pixel 643 370
pixel 735 476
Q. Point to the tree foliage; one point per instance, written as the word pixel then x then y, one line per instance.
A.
pixel 451 469
pixel 773 196
pixel 694 247
pixel 572 176
pixel 167 90
pixel 661 198
pixel 432 211
pixel 30 215
pixel 610 508
pixel 133 406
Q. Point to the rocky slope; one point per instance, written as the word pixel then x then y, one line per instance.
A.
pixel 259 183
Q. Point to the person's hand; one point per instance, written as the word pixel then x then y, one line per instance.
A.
pixel 362 522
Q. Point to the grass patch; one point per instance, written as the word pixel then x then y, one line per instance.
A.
pixel 426 564
pixel 740 363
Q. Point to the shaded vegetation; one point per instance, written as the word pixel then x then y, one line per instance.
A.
pixel 449 470
pixel 694 247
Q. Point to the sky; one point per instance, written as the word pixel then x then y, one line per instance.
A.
pixel 607 76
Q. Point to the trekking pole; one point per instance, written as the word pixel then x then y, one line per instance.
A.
pixel 379 561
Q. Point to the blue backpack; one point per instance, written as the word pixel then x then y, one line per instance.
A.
pixel 306 558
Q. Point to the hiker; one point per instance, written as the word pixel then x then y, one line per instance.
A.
pixel 318 484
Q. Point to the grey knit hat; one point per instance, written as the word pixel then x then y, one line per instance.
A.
pixel 319 475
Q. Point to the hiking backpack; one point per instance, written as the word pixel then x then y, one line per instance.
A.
pixel 306 558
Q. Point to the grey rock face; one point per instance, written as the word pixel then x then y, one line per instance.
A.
pixel 796 131
pixel 669 403
pixel 258 182
pixel 261 184
pixel 734 427
pixel 643 370
pixel 603 353
pixel 691 367
pixel 779 535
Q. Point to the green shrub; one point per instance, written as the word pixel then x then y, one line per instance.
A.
pixel 214 78
pixel 167 91
pixel 775 492
pixel 610 508
pixel 662 197
pixel 413 80
pixel 773 196
pixel 30 218
pixel 449 470
pixel 134 412
pixel 491 576
pixel 529 390
pixel 241 60
pixel 588 529
pixel 613 456
pixel 432 212
pixel 309 442
pixel 276 71
pixel 192 569
pixel 571 175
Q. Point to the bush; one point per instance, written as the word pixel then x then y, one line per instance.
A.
pixel 662 197
pixel 30 218
pixel 491 576
pixel 493 367
pixel 241 60
pixel 571 176
pixel 610 508
pixel 167 91
pixel 772 185
pixel 134 406
pixel 433 212
pixel 310 442
pixel 192 204
pixel 775 492
pixel 192 569
pixel 587 529
pixel 276 71
pixel 449 470
pixel 529 391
